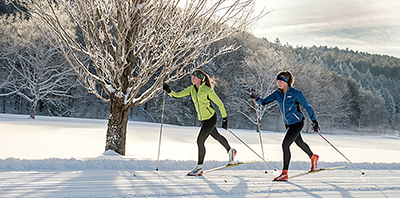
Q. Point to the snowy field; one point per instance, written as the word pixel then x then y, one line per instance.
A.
pixel 63 157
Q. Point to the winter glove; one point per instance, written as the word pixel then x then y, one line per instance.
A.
pixel 315 126
pixel 166 88
pixel 225 123
pixel 254 96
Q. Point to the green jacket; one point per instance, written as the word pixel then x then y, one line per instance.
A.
pixel 201 100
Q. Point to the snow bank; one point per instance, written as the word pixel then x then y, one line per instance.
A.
pixel 13 164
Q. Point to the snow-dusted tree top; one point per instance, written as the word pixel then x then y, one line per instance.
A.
pixel 136 45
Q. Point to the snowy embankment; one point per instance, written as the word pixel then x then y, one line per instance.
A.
pixel 56 164
pixel 62 157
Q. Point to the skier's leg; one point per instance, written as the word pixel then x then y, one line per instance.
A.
pixel 224 142
pixel 206 128
pixel 292 131
pixel 287 141
pixel 221 139
pixel 300 142
pixel 303 145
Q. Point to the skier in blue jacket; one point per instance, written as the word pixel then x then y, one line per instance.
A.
pixel 289 100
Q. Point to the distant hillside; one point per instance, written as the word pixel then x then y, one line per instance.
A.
pixel 364 62
pixel 379 74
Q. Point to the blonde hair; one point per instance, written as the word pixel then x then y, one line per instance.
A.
pixel 207 79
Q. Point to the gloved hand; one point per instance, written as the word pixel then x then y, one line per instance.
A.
pixel 166 88
pixel 315 126
pixel 254 96
pixel 225 123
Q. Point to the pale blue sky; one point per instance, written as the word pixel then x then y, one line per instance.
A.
pixel 365 25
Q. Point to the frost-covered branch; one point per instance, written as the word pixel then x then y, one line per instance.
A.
pixel 35 67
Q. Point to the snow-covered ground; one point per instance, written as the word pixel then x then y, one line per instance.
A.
pixel 63 157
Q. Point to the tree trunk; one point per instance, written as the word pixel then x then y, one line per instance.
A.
pixel 33 109
pixel 117 126
pixel 4 105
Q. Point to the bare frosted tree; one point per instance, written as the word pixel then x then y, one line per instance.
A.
pixel 136 45
pixel 36 70
pixel 262 65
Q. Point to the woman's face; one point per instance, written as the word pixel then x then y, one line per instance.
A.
pixel 195 80
pixel 282 84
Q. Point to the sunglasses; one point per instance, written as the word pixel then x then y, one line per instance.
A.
pixel 198 75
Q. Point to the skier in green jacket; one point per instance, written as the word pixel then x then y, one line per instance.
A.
pixel 202 94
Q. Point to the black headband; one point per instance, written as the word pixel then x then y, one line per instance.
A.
pixel 198 75
pixel 282 78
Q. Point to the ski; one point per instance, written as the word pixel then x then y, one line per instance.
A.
pixel 316 171
pixel 230 165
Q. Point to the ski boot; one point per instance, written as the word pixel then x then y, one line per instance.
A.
pixel 314 158
pixel 231 153
pixel 282 177
pixel 198 171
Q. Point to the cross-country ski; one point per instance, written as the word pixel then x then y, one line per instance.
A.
pixel 316 171
pixel 230 165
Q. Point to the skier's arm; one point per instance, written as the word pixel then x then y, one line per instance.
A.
pixel 303 101
pixel 181 94
pixel 213 97
pixel 268 99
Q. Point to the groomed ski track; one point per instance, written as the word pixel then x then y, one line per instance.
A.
pixel 224 183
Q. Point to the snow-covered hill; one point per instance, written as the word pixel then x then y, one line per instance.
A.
pixel 63 157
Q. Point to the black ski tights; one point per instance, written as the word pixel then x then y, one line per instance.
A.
pixel 208 128
pixel 293 135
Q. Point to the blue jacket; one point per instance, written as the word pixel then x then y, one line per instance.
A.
pixel 289 105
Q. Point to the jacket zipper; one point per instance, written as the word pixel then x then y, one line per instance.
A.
pixel 198 104
pixel 284 109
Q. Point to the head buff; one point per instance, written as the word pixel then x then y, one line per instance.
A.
pixel 282 78
pixel 198 75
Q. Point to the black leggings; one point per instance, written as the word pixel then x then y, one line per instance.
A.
pixel 208 128
pixel 293 135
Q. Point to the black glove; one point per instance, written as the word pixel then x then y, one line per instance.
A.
pixel 225 123
pixel 315 126
pixel 254 96
pixel 166 88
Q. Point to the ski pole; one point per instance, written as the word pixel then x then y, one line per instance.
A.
pixel 259 134
pixel 237 137
pixel 159 140
pixel 340 153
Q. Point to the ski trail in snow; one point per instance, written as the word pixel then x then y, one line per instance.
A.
pixel 232 183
